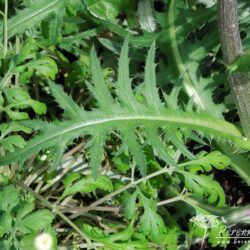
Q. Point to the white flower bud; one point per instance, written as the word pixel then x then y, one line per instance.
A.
pixel 43 241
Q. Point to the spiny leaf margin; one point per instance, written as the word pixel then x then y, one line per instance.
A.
pixel 111 114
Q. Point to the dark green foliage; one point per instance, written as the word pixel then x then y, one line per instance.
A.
pixel 124 116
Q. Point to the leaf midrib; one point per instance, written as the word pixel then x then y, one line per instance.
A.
pixel 223 128
pixel 37 13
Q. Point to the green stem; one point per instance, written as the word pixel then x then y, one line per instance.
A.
pixel 17 52
pixel 124 188
pixel 59 176
pixel 181 68
pixel 55 210
pixel 180 197
pixel 239 162
pixel 190 86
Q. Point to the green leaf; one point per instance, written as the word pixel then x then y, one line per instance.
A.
pixel 16 95
pixel 7 128
pixel 17 223
pixel 239 162
pixel 9 198
pixel 33 14
pixel 20 99
pixel 27 51
pixel 72 43
pixel 129 205
pixel 144 40
pixel 100 88
pixel 122 162
pixel 86 185
pixel 24 210
pixel 65 101
pixel 51 28
pixel 5 245
pixel 45 67
pixel 109 10
pixel 36 221
pixel 186 57
pixel 124 81
pixel 1 100
pixel 70 178
pixel 208 160
pixel 5 223
pixel 111 114
pixel 145 16
pixel 150 91
pixel 11 142
pixel 205 187
pixel 38 107
pixel 93 232
pixel 244 247
pixel 151 223
pixel 28 241
pixel 111 240
pixel 241 63
pixel 173 137
pixel 16 115
pixel 97 152
pixel 217 235
pixel 122 236
pixel 130 142
pixel 155 141
pixel 172 238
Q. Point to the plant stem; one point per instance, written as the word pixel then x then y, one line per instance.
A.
pixel 55 210
pixel 240 163
pixel 77 246
pixel 59 176
pixel 180 67
pixel 74 150
pixel 17 52
pixel 232 48
pixel 124 188
pixel 180 197
pixel 32 177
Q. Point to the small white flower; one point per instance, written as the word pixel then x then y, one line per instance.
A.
pixel 43 241
pixel 44 157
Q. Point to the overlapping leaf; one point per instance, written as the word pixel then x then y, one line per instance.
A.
pixel 33 14
pixel 123 113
